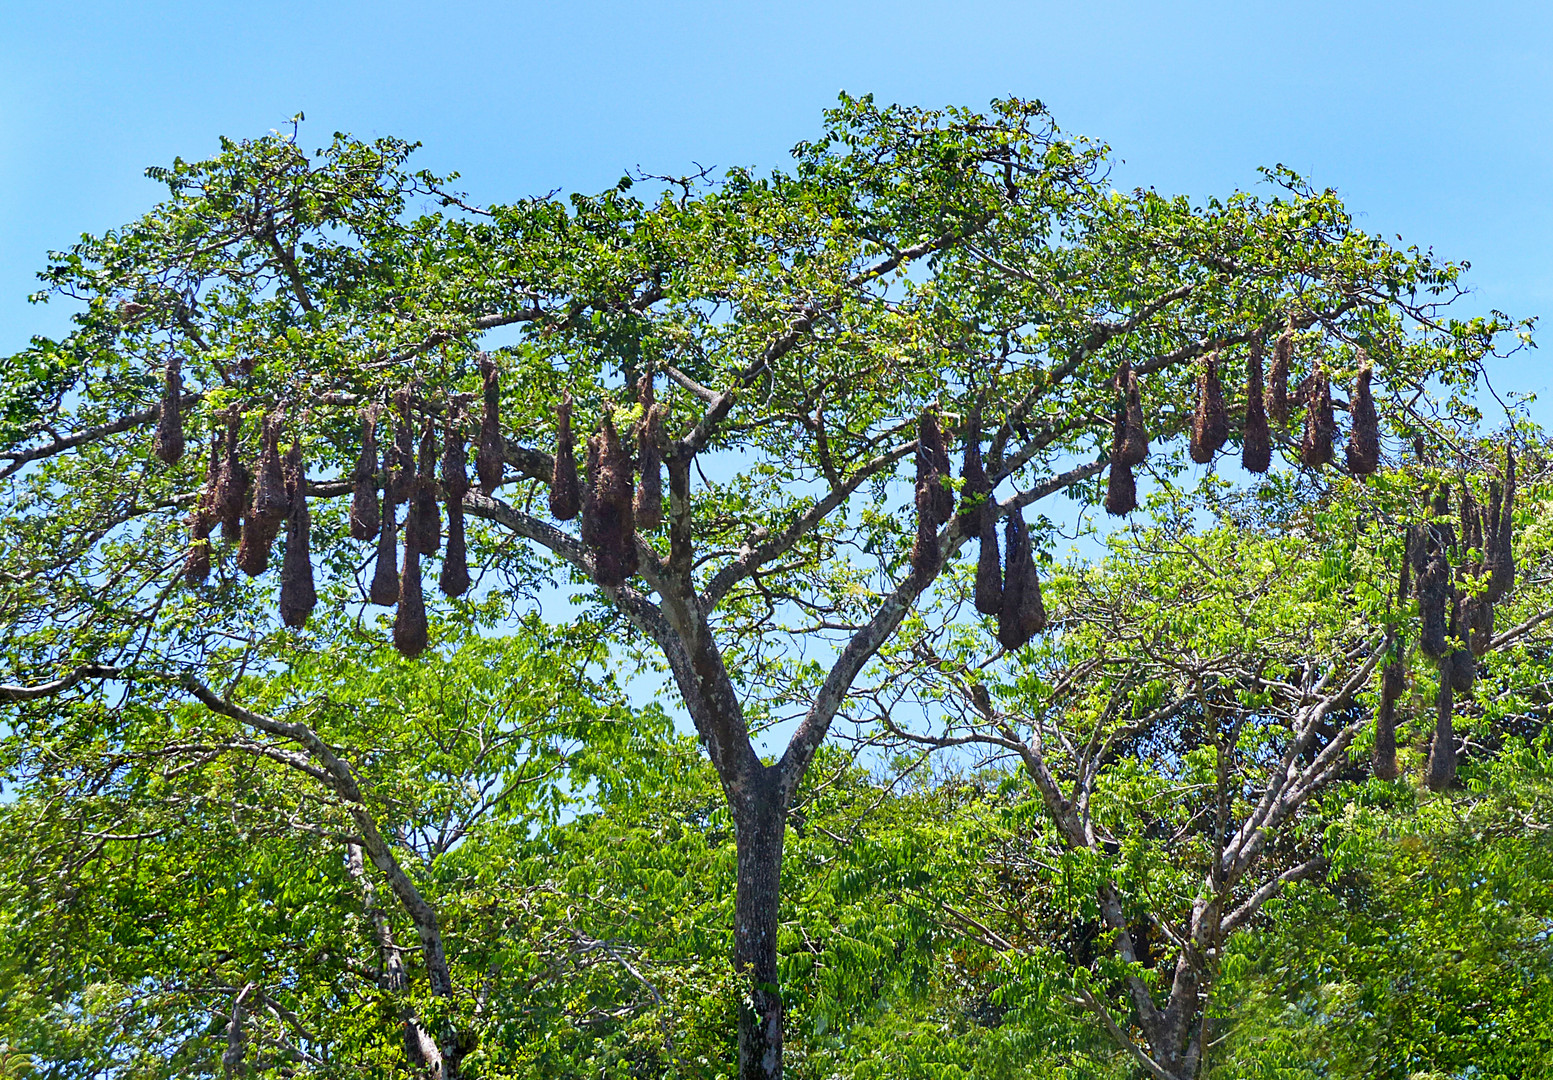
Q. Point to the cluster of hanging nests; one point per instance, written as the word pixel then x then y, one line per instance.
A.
pixel 1456 593
pixel 1458 572
pixel 621 492
pixel 251 506
pixel 1268 403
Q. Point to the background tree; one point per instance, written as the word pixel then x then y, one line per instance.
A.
pixel 1193 728
pixel 207 881
pixel 812 333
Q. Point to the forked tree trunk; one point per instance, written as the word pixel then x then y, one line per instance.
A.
pixel 758 824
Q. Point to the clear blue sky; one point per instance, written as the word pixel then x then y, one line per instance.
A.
pixel 1432 120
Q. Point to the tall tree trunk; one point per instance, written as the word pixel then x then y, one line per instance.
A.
pixel 759 818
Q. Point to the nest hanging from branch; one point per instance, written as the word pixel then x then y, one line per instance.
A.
pixel 168 444
pixel 1121 490
pixel 202 517
pixel 402 475
pixel 1130 440
pixel 1363 450
pixel 410 634
pixel 926 558
pixel 1210 424
pixel 298 596
pixel 384 590
pixel 608 525
pixel 933 469
pixel 423 525
pixel 364 522
pixel 196 564
pixel 565 499
pixel 232 487
pixel 1277 393
pixel 1022 614
pixel 975 487
pixel 268 509
pixel 1498 539
pixel 490 458
pixel 1433 584
pixel 1256 442
pixel 648 505
pixel 989 570
pixel 270 502
pixel 454 579
pixel 1320 426
pixel 1442 750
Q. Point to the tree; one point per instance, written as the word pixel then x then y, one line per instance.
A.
pixel 208 881
pixel 1190 728
pixel 813 333
pixel 1428 954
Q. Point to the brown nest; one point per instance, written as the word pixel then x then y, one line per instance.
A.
pixel 1130 440
pixel 384 590
pixel 933 469
pixel 1277 393
pixel 423 525
pixel 1256 442
pixel 565 498
pixel 231 499
pixel 410 634
pixel 1320 426
pixel 1363 450
pixel 1442 750
pixel 648 505
pixel 490 458
pixel 1023 612
pixel 298 596
pixel 611 532
pixel 364 520
pixel 976 486
pixel 1210 424
pixel 168 444
pixel 454 579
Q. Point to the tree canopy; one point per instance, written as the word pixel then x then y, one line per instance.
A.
pixel 934 325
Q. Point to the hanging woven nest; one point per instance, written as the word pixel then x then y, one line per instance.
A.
pixel 196 564
pixel 989 570
pixel 647 508
pixel 298 596
pixel 490 459
pixel 410 633
pixel 454 579
pixel 1256 443
pixel 1392 684
pixel 364 521
pixel 1277 394
pixel 1210 423
pixel 384 590
pixel 565 498
pixel 1121 491
pixel 232 487
pixel 1320 426
pixel 402 474
pixel 609 526
pixel 168 444
pixel 423 525
pixel 1363 450
pixel 975 486
pixel 1500 547
pixel 1130 440
pixel 270 502
pixel 1023 612
pixel 933 469
pixel 1442 750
